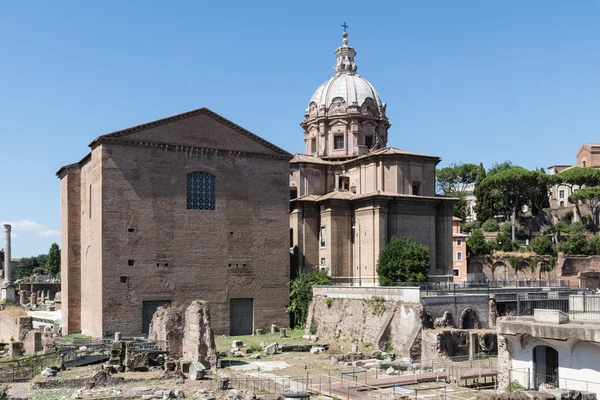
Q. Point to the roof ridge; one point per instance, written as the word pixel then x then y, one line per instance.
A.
pixel 189 114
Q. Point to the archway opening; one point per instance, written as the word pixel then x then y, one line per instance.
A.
pixel 500 271
pixel 545 366
pixel 469 320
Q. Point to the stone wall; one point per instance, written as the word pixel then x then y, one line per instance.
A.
pixel 382 323
pixel 570 268
pixel 441 343
pixel 32 343
pixel 167 324
pixel 14 326
pixel 461 308
pixel 198 340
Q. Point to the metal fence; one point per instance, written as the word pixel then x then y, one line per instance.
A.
pixel 584 307
pixel 25 368
pixel 526 379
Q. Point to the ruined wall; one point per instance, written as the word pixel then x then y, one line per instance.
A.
pixel 32 343
pixel 379 322
pixel 569 267
pixel 14 326
pixel 167 324
pixel 442 343
pixel 198 341
pixel 461 308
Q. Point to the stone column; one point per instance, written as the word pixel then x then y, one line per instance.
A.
pixel 7 271
pixel 22 297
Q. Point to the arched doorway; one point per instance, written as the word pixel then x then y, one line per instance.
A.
pixel 500 272
pixel 545 366
pixel 469 320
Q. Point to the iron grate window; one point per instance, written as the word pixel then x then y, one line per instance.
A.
pixel 201 191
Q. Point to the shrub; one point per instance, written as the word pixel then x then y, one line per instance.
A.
pixel 491 225
pixel 301 294
pixel 313 329
pixel 329 302
pixel 255 347
pixel 403 260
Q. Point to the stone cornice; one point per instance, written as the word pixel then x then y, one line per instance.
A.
pixel 189 114
pixel 190 149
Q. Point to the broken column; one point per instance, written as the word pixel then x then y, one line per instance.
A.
pixel 7 265
pixel 23 297
pixel 198 339
pixel 8 292
pixel 33 299
pixel 167 324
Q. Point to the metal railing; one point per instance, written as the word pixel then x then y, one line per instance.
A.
pixel 527 379
pixel 584 307
pixel 25 368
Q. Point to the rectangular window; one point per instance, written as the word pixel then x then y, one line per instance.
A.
pixel 458 242
pixel 415 190
pixel 322 262
pixel 338 142
pixel 323 235
pixel 369 141
pixel 561 194
pixel 313 146
pixel 131 263
pixel 201 191
pixel 456 272
pixel 459 256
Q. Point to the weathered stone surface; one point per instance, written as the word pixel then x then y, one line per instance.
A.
pixel 198 339
pixel 167 324
pixel 197 370
pixel 317 350
pixel 271 348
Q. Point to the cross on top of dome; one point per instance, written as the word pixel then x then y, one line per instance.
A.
pixel 345 56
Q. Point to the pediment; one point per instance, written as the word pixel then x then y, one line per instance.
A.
pixel 200 128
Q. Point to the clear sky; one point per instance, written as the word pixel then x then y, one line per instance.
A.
pixel 471 81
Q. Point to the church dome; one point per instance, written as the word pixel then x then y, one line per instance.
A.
pixel 351 87
pixel 345 116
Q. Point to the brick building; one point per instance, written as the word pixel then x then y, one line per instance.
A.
pixel 184 208
pixel 350 193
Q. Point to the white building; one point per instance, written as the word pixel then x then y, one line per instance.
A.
pixel 552 349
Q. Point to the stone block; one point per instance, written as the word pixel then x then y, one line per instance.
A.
pixel 556 317
pixel 197 370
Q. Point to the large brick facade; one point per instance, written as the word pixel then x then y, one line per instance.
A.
pixel 131 240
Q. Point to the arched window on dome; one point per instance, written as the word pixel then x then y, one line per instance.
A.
pixel 201 191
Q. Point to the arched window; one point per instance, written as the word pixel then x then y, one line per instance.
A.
pixel 201 191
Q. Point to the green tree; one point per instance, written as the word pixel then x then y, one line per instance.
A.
pixel 542 245
pixel 491 225
pixel 477 245
pixel 500 167
pixel 594 245
pixel 504 242
pixel 577 243
pixel 53 260
pixel 485 206
pixel 577 176
pixel 301 294
pixel 590 197
pixel 453 181
pixel 403 260
pixel 516 187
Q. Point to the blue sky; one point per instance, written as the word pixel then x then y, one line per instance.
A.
pixel 472 81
